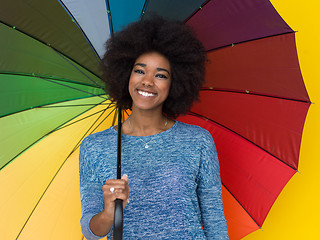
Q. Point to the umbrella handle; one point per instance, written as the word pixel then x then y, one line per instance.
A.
pixel 118 220
pixel 118 210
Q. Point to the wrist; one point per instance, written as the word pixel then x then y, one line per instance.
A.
pixel 106 218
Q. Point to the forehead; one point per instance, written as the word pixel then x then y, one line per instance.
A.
pixel 153 59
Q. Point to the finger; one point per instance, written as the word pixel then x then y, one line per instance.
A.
pixel 114 187
pixel 117 183
pixel 109 190
pixel 108 193
pixel 125 177
pixel 121 195
pixel 109 197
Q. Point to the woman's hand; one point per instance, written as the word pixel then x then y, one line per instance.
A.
pixel 112 190
pixel 101 223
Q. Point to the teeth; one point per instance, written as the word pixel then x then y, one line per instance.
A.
pixel 145 94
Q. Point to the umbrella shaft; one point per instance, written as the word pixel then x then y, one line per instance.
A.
pixel 119 145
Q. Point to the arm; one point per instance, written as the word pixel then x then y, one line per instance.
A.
pixel 209 192
pixel 102 222
pixel 97 201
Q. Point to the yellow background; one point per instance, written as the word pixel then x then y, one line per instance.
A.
pixel 296 213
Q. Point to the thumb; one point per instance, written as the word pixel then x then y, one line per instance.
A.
pixel 125 177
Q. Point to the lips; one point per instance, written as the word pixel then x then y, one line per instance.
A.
pixel 145 93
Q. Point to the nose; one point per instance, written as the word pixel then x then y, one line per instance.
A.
pixel 148 81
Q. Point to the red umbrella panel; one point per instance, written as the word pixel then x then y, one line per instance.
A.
pixel 254 104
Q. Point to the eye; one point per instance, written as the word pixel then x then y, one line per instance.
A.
pixel 159 75
pixel 139 71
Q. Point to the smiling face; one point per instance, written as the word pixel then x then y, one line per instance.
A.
pixel 150 81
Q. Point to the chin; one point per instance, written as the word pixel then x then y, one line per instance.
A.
pixel 146 107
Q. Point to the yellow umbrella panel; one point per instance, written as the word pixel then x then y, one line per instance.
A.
pixel 39 189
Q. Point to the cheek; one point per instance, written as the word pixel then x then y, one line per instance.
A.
pixel 167 88
pixel 131 83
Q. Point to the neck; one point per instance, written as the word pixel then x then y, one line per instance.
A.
pixel 144 123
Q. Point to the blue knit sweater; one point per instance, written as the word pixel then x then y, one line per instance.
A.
pixel 175 184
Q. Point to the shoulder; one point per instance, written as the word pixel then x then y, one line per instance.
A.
pixel 99 138
pixel 194 131
pixel 94 146
pixel 194 134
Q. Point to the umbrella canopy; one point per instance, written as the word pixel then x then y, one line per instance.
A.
pixel 295 212
pixel 254 103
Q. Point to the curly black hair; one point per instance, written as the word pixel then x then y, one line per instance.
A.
pixel 173 39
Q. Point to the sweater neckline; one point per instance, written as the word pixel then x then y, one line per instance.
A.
pixel 146 137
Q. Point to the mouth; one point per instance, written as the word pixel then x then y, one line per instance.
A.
pixel 146 93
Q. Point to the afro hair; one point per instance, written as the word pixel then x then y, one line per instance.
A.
pixel 172 39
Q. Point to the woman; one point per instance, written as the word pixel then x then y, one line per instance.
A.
pixel 155 68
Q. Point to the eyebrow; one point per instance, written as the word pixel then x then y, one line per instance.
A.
pixel 158 69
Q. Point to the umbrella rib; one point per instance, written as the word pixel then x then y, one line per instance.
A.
pixel 252 93
pixel 250 40
pixel 48 106
pixel 74 149
pixel 67 125
pixel 199 115
pixel 46 77
pixel 144 9
pixel 56 129
pixel 74 105
pixel 242 206
pixel 92 94
pixel 80 28
pixel 55 82
pixel 196 11
pixel 91 80
pixel 94 128
pixel 109 17
pixel 126 112
pixel 116 117
pixel 47 44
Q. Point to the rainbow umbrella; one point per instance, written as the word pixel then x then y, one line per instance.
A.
pixel 254 103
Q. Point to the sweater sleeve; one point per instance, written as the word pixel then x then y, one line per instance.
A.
pixel 209 192
pixel 90 191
